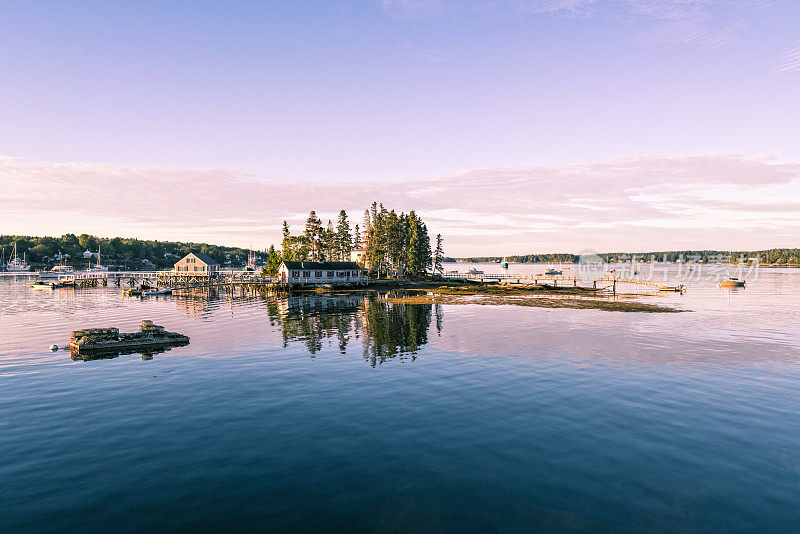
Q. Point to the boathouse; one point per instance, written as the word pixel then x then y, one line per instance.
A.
pixel 319 272
pixel 197 263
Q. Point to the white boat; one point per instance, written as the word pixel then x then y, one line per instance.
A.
pixel 154 292
pixel 16 265
pixel 97 267
pixel 55 272
pixel 474 271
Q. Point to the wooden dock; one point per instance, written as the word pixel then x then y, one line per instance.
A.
pixel 245 281
pixel 609 278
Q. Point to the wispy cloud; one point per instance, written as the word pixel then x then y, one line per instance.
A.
pixel 790 61
pixel 644 202
pixel 685 21
pixel 658 21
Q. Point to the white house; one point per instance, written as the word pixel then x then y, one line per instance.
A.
pixel 319 272
pixel 197 263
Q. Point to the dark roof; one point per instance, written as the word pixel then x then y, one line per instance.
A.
pixel 322 265
pixel 205 258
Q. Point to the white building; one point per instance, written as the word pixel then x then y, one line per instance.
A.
pixel 319 272
pixel 197 263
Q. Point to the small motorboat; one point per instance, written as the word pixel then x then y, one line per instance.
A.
pixel 552 272
pixel 154 292
pixel 677 289
pixel 474 271
pixel 42 285
pixel 504 264
pixel 731 282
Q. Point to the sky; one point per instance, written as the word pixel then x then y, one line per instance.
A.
pixel 511 126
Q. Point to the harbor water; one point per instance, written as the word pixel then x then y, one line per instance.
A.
pixel 317 412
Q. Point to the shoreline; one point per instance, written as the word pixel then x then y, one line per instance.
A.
pixel 434 292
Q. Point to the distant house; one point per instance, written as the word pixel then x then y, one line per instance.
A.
pixel 197 263
pixel 88 254
pixel 319 272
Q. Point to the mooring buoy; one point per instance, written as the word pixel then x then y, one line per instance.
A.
pixel 53 348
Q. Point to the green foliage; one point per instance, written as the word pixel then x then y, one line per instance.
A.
pixel 274 260
pixel 438 255
pixel 396 244
pixel 118 252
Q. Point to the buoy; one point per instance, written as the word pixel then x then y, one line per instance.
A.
pixel 54 347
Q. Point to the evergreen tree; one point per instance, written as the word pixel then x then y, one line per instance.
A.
pixel 330 245
pixel 438 256
pixel 313 235
pixel 344 240
pixel 356 238
pixel 274 260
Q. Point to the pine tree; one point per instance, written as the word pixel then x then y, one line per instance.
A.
pixel 356 238
pixel 330 245
pixel 344 240
pixel 273 263
pixel 313 235
pixel 438 256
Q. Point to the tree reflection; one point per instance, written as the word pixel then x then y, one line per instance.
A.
pixel 386 330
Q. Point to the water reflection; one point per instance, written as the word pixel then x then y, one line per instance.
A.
pixel 108 354
pixel 386 331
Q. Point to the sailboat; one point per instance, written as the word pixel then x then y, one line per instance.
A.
pixel 732 281
pixel 98 267
pixel 16 265
pixel 58 270
pixel 504 263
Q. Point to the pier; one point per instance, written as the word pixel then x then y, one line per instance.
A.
pixel 246 281
pixel 608 278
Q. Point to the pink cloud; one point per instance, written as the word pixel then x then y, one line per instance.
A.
pixel 648 202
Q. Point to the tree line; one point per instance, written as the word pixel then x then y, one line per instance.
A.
pixel 774 256
pixel 127 253
pixel 393 244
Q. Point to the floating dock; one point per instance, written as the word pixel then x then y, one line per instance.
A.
pixel 93 341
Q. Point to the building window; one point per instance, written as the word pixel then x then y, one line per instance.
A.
pixel 355 273
pixel 317 274
pixel 295 274
pixel 330 274
pixel 341 274
pixel 306 274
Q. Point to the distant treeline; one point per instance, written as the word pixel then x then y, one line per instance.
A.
pixel 777 256
pixel 121 252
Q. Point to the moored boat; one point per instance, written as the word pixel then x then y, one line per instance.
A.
pixel 731 282
pixel 41 285
pixel 17 265
pixel 154 292
pixel 57 271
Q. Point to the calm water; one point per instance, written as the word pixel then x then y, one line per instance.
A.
pixel 350 414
